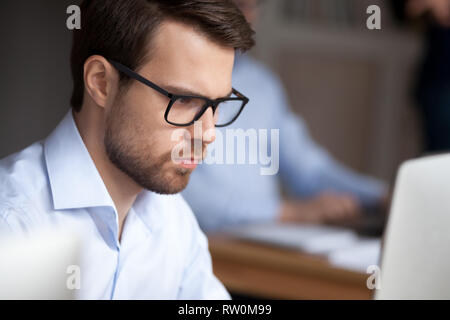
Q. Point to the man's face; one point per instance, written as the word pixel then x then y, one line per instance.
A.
pixel 138 140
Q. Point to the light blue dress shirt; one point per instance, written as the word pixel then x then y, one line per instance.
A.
pixel 162 253
pixel 222 194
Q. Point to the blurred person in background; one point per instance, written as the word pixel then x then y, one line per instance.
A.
pixel 320 189
pixel 433 87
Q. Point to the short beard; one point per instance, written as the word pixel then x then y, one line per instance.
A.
pixel 146 170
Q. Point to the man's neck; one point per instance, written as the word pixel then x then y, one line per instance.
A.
pixel 122 189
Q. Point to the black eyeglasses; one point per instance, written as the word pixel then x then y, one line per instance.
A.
pixel 184 110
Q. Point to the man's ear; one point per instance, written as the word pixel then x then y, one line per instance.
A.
pixel 99 79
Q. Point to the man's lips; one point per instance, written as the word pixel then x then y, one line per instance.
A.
pixel 189 163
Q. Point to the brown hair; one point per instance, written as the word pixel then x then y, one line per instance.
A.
pixel 122 29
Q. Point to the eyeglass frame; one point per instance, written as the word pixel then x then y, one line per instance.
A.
pixel 209 103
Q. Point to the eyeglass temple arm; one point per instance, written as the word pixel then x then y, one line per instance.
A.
pixel 240 95
pixel 138 77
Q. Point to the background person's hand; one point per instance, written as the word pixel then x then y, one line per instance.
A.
pixel 326 207
pixel 440 9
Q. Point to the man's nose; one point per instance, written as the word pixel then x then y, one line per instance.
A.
pixel 208 126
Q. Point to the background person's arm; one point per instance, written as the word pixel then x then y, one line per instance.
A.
pixel 225 195
pixel 308 170
pixel 326 207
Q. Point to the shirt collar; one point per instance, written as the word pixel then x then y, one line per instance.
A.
pixel 150 207
pixel 74 179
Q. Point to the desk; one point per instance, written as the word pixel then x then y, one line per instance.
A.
pixel 264 271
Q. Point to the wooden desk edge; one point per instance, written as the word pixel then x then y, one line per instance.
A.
pixel 282 264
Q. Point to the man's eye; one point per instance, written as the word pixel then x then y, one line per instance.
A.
pixel 185 100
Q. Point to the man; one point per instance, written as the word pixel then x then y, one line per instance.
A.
pixel 108 171
pixel 321 189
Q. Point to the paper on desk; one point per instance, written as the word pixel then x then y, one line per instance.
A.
pixel 358 257
pixel 312 239
pixel 342 247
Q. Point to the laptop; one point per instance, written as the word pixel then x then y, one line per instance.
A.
pixel 40 266
pixel 416 249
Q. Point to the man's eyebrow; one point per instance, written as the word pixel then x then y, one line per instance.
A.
pixel 188 92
